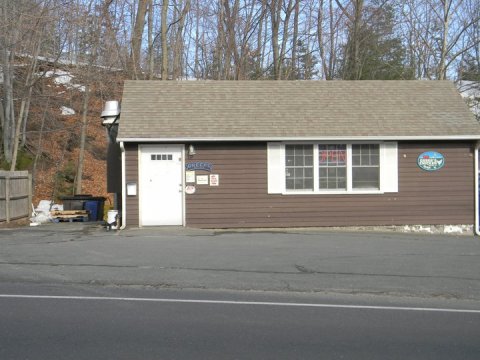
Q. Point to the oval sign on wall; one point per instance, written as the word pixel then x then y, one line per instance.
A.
pixel 190 189
pixel 430 161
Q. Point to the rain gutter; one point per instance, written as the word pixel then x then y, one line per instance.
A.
pixel 477 220
pixel 124 195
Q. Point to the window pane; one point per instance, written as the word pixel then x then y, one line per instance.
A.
pixel 309 172
pixel 365 154
pixel 308 184
pixel 366 177
pixel 290 160
pixel 365 167
pixel 309 160
pixel 332 166
pixel 299 167
pixel 290 184
pixel 355 159
pixel 299 160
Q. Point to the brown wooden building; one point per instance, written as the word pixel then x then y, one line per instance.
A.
pixel 294 154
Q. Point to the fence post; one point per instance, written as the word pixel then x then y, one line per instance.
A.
pixel 30 190
pixel 7 197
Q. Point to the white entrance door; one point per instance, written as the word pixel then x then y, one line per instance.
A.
pixel 161 187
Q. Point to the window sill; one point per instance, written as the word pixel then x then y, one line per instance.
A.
pixel 334 192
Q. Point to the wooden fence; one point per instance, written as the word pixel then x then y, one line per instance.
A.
pixel 15 195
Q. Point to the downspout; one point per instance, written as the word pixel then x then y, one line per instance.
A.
pixel 124 195
pixel 477 222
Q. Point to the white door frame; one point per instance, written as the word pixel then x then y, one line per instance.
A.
pixel 182 162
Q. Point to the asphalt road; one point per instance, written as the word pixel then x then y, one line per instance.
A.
pixel 75 291
pixel 93 323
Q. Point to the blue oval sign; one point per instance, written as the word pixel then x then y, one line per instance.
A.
pixel 431 161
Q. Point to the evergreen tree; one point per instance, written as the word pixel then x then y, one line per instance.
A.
pixel 470 69
pixel 381 53
pixel 307 63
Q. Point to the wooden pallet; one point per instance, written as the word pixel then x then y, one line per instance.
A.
pixel 69 215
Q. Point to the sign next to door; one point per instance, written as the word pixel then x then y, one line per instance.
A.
pixel 199 165
pixel 431 161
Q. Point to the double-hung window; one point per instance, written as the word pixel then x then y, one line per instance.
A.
pixel 366 166
pixel 332 168
pixel 299 167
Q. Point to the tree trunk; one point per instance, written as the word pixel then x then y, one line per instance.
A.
pixel 83 136
pixel 357 72
pixel 443 52
pixel 151 63
pixel 352 58
pixel 260 49
pixel 163 36
pixel 179 46
pixel 231 16
pixel 283 49
pixel 137 35
pixel 294 72
pixel 38 152
pixel 196 72
pixel 24 106
pixel 8 113
pixel 275 10
pixel 218 61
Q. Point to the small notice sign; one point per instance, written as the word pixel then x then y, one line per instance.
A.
pixel 190 176
pixel 214 179
pixel 202 180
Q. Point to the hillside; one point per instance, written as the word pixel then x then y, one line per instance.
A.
pixel 52 136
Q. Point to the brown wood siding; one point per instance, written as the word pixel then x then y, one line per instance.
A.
pixel 445 196
pixel 131 175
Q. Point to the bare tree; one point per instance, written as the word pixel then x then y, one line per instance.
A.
pixel 355 17
pixel 181 12
pixel 329 22
pixel 163 36
pixel 137 35
pixel 97 14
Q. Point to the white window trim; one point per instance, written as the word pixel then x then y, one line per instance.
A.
pixel 388 169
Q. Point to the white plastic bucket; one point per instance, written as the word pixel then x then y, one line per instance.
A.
pixel 112 216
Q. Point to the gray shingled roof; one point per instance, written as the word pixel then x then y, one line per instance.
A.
pixel 268 110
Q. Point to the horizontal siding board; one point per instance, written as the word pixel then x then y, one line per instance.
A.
pixel 305 213
pixel 279 199
pixel 256 209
